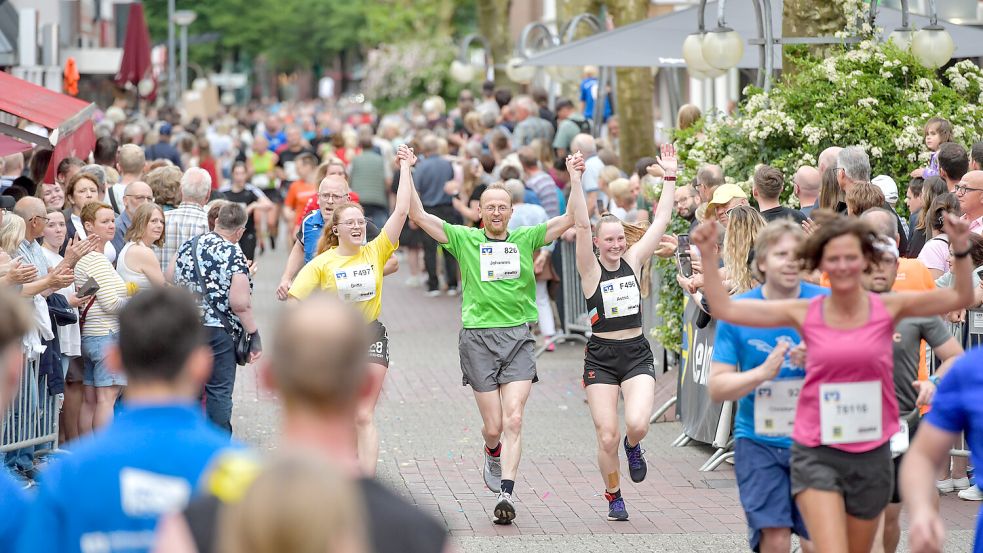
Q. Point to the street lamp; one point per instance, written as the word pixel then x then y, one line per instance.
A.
pixel 462 70
pixel 932 46
pixel 722 47
pixel 183 18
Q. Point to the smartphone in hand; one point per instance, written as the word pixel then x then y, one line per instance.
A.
pixel 88 288
pixel 683 259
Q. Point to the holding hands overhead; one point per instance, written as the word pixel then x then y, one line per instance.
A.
pixel 575 164
pixel 405 156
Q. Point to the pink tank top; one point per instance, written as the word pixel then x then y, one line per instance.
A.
pixel 854 355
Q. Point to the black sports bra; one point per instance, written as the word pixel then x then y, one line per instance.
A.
pixel 616 303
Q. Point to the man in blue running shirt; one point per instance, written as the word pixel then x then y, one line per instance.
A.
pixel 109 493
pixel 752 366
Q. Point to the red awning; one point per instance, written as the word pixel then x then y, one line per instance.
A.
pixel 38 104
pixel 10 146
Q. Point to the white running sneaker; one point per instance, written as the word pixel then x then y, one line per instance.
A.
pixel 945 486
pixel 433 293
pixel 504 509
pixel 971 493
pixel 493 472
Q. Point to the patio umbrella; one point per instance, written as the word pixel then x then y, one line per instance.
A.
pixel 135 65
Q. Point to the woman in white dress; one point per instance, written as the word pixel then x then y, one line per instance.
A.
pixel 137 263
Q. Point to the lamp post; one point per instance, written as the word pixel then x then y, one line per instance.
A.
pixel 171 53
pixel 932 46
pixel 184 18
pixel 462 70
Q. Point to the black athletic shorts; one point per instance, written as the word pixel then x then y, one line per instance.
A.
pixel 912 428
pixel 614 361
pixel 865 480
pixel 379 346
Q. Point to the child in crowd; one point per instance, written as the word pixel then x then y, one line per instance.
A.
pixel 937 131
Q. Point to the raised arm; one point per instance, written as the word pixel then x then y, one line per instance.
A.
pixel 941 300
pixel 559 224
pixel 587 266
pixel 646 246
pixel 758 313
pixel 431 224
pixel 394 224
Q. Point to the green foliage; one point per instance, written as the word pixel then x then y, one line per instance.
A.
pixel 873 95
pixel 396 74
pixel 669 332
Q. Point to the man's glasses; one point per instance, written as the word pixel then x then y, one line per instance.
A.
pixel 962 189
pixel 332 197
pixel 140 197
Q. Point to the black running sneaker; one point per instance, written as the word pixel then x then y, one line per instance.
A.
pixel 637 466
pixel 504 509
pixel 616 507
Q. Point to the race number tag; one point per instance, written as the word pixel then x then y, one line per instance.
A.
pixel 900 441
pixel 498 261
pixel 261 181
pixel 774 407
pixel 355 283
pixel 850 412
pixel 620 297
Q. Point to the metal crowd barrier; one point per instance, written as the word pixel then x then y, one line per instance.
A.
pixel 32 418
pixel 970 335
pixel 575 324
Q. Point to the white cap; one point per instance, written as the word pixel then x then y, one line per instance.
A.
pixel 888 187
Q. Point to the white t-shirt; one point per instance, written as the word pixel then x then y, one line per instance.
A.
pixel 69 336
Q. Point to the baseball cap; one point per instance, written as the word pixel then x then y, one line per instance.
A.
pixel 888 187
pixel 723 194
pixel 165 129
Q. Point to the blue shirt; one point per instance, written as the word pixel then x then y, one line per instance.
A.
pixel 114 486
pixel 588 94
pixel 958 407
pixel 430 176
pixel 13 507
pixel 310 233
pixel 123 224
pixel 748 347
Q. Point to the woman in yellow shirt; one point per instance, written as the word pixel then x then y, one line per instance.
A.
pixel 353 270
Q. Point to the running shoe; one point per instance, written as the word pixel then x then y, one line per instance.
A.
pixel 971 493
pixel 504 509
pixel 433 293
pixel 637 466
pixel 616 507
pixel 961 483
pixel 945 486
pixel 453 291
pixel 493 472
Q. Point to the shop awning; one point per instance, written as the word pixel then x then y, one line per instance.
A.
pixel 10 146
pixel 67 119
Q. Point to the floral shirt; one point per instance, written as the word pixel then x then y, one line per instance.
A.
pixel 218 261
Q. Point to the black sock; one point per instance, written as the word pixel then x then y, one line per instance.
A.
pixel 494 452
pixel 507 486
pixel 616 494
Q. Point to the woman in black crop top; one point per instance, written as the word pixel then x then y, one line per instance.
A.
pixel 618 357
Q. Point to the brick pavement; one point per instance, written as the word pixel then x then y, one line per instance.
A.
pixel 431 448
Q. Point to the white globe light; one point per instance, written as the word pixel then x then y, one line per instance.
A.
pixel 723 48
pixel 713 72
pixel 200 84
pixel 462 72
pixel 522 74
pixel 227 98
pixel 693 53
pixel 932 47
pixel 145 87
pixel 565 73
pixel 698 75
pixel 901 38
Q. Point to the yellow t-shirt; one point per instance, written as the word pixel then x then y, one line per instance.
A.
pixel 356 279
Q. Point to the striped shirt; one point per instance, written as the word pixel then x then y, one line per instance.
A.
pixel 181 224
pixel 545 188
pixel 102 317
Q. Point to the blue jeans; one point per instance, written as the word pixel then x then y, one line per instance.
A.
pixel 218 389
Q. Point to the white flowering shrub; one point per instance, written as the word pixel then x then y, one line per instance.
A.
pixel 396 74
pixel 873 95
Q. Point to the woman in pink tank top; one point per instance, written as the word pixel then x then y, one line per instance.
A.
pixel 847 410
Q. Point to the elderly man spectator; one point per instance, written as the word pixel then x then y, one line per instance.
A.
pixel 214 268
pixel 593 164
pixel 708 178
pixel 539 181
pixel 953 163
pixel 163 149
pixel 970 194
pixel 188 219
pixel 529 125
pixel 805 186
pixel 852 168
pixel 368 179
pixel 136 194
pixel 767 187
pixel 130 163
pixel 431 176
pixel 726 197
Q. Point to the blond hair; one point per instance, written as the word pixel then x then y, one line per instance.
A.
pixel 633 231
pixel 298 504
pixel 744 223
pixel 12 233
pixel 141 219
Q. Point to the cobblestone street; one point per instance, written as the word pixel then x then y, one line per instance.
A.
pixel 431 448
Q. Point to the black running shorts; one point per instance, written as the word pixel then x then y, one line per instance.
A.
pixel 609 361
pixel 379 346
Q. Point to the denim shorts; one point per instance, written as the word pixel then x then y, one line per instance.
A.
pixel 96 372
pixel 764 484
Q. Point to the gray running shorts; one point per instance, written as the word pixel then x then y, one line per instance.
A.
pixel 491 357
pixel 865 480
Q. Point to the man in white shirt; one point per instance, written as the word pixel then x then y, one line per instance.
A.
pixel 130 162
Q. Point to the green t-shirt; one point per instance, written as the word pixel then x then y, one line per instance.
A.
pixel 493 295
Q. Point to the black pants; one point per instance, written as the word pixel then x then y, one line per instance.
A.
pixel 248 245
pixel 449 214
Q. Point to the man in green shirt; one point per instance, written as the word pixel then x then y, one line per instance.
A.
pixel 572 123
pixel 499 302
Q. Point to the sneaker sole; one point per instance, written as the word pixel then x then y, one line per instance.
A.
pixel 504 513
pixel 642 479
pixel 616 519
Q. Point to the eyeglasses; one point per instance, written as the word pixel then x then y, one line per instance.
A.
pixel 332 197
pixel 962 189
pixel 498 209
pixel 42 217
pixel 353 223
pixel 139 197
